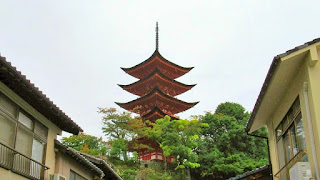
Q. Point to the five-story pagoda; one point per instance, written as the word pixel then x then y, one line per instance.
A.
pixel 157 89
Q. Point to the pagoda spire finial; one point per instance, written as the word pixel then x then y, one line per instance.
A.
pixel 157 37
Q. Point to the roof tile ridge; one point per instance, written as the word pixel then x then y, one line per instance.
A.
pixel 156 88
pixel 155 53
pixel 154 72
pixel 28 82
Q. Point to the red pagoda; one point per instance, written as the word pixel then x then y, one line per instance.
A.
pixel 157 89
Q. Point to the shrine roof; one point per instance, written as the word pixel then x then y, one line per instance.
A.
pixel 157 90
pixel 155 72
pixel 157 109
pixel 155 54
pixel 156 97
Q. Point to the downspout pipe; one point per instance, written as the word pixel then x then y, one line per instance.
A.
pixel 312 143
pixel 266 138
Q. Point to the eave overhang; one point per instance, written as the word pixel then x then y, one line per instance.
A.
pixel 18 83
pixel 141 87
pixel 101 164
pixel 77 156
pixel 142 70
pixel 156 96
pixel 157 113
pixel 280 75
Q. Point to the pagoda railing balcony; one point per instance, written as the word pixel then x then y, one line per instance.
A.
pixel 18 163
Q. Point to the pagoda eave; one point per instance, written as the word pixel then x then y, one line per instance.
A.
pixel 143 69
pixel 145 104
pixel 156 90
pixel 156 78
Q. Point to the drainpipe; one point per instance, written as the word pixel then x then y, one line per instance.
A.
pixel 313 148
pixel 266 138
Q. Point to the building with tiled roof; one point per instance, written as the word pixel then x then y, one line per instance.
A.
pixel 29 125
pixel 289 106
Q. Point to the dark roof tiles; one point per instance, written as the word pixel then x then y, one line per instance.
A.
pixel 14 79
pixel 269 76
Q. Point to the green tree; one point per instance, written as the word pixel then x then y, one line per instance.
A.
pixel 177 138
pixel 120 128
pixel 225 150
pixel 128 174
pixel 86 143
pixel 119 148
pixel 116 124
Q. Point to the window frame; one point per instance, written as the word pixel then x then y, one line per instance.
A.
pixel 18 124
pixel 295 112
pixel 75 176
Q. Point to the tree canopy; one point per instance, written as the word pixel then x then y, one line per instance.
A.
pixel 213 145
pixel 225 150
pixel 86 143
pixel 177 138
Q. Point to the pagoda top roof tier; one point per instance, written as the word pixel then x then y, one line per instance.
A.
pixel 156 113
pixel 156 97
pixel 157 78
pixel 168 68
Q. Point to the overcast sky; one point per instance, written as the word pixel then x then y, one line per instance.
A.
pixel 73 50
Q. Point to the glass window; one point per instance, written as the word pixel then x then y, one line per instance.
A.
pixel 41 130
pixel 290 138
pixel 287 146
pixel 37 150
pixel 285 122
pixel 293 139
pixel 282 160
pixel 296 106
pixel 300 133
pixel 22 132
pixel 7 131
pixel 24 141
pixel 25 120
pixel 279 131
pixel 75 176
pixel 7 105
pixel 72 175
pixel 290 116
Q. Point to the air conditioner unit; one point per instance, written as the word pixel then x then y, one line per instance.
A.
pixel 57 177
pixel 300 171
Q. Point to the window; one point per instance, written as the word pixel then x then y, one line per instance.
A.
pixel 21 131
pixel 75 176
pixel 290 137
pixel 7 130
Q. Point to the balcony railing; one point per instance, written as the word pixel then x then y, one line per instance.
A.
pixel 285 169
pixel 16 162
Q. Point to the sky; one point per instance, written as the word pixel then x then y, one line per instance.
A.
pixel 73 50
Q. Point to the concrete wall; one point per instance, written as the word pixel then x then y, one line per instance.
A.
pixel 53 130
pixel 8 175
pixel 294 90
pixel 64 163
pixel 305 73
pixel 314 103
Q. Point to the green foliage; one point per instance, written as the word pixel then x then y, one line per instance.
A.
pixel 177 138
pixel 225 150
pixel 119 148
pixel 151 174
pixel 128 174
pixel 120 128
pixel 214 147
pixel 86 144
pixel 118 124
pixel 234 110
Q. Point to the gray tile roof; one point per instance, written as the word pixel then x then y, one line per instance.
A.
pixel 269 76
pixel 19 83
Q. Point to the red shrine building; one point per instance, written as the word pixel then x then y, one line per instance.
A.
pixel 156 89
